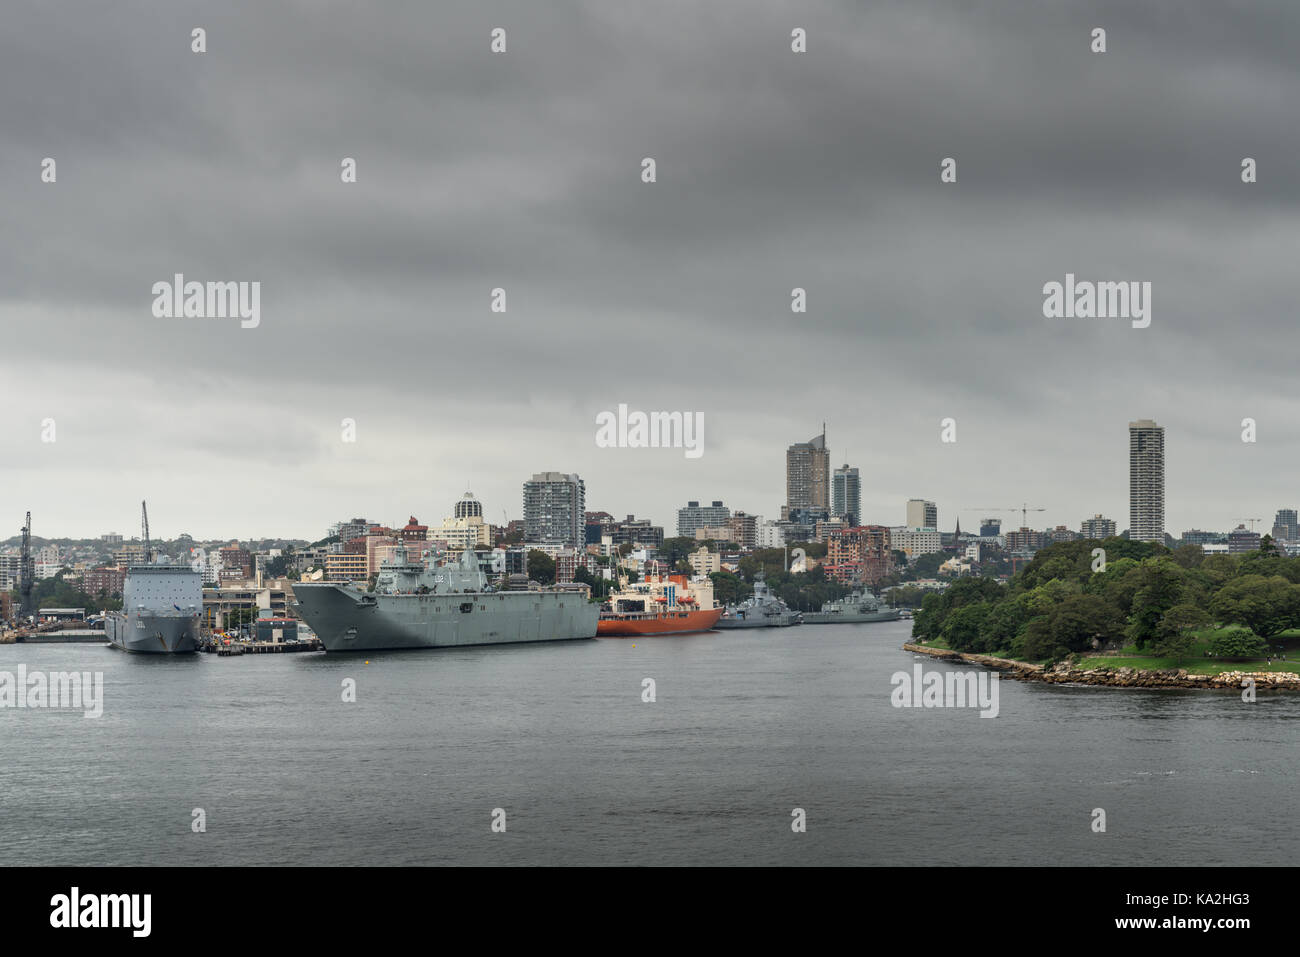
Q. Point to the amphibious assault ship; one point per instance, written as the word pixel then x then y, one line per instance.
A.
pixel 857 607
pixel 160 606
pixel 763 610
pixel 451 605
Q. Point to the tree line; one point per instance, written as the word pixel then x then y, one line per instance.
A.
pixel 1068 600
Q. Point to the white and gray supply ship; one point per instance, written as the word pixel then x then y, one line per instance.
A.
pixel 437 607
pixel 160 610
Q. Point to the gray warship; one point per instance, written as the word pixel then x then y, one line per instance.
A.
pixel 763 610
pixel 859 606
pixel 161 604
pixel 451 605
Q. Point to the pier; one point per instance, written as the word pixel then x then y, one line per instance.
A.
pixel 236 648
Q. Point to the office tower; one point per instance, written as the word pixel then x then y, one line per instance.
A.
pixel 990 527
pixel 554 509
pixel 922 514
pixel 1285 526
pixel 807 475
pixel 846 495
pixel 1146 481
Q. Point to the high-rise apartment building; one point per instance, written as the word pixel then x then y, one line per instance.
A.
pixel 846 495
pixel 1146 481
pixel 807 475
pixel 555 507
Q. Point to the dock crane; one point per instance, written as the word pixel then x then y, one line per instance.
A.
pixel 26 571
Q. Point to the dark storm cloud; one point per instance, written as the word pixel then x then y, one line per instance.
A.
pixel 776 170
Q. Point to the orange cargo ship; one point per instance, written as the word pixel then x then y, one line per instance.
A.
pixel 659 606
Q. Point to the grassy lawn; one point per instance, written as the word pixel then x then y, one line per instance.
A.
pixel 1196 663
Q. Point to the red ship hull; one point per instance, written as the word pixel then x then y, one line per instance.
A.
pixel 656 623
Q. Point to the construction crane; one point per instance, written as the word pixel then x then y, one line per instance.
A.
pixel 26 571
pixel 144 523
pixel 1024 511
pixel 1251 520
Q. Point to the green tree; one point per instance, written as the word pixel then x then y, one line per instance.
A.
pixel 1081 619
pixel 1160 587
pixel 1266 606
pixel 541 567
pixel 1238 644
pixel 729 589
pixel 1175 633
pixel 961 629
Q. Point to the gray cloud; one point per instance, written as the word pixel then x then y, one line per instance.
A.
pixel 776 170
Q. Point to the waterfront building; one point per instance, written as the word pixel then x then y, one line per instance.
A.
pixel 1098 527
pixel 807 475
pixel 555 508
pixel 846 495
pixel 1146 480
pixel 695 516
pixel 346 566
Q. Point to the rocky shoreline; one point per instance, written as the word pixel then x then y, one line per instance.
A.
pixel 1065 673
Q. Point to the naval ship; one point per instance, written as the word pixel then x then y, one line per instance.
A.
pixel 857 607
pixel 160 607
pixel 763 610
pixel 451 605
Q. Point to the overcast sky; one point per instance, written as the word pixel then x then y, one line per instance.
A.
pixel 522 170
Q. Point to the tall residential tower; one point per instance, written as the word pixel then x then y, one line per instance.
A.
pixel 1146 481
